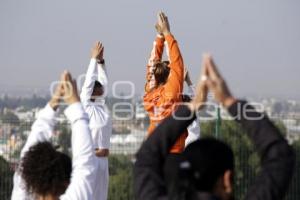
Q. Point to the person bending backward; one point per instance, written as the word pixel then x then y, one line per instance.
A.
pixel 46 174
pixel 164 80
pixel 205 170
pixel 92 97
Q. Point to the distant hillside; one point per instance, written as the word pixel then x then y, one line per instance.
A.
pixel 26 102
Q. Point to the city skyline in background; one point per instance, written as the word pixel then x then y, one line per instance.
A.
pixel 256 44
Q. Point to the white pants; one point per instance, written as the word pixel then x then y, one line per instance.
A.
pixel 101 184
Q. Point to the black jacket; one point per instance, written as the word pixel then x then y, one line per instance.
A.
pixel 277 157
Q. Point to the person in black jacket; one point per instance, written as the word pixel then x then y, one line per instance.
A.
pixel 205 169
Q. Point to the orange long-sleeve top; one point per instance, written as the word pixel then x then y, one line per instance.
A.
pixel 161 101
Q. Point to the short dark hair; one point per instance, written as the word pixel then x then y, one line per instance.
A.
pixel 97 85
pixel 198 168
pixel 45 170
pixel 209 158
pixel 97 90
pixel 161 72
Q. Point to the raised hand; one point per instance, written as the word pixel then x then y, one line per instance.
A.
pixel 101 57
pixel 97 51
pixel 70 93
pixel 56 96
pixel 162 25
pixel 158 29
pixel 200 97
pixel 216 84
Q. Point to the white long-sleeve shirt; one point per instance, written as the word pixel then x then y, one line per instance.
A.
pixel 83 162
pixel 100 121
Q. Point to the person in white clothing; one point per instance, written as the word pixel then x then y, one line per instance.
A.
pixel 194 127
pixel 92 96
pixel 45 173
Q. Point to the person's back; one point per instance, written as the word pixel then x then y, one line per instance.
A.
pixel 205 170
pixel 92 96
pixel 45 173
pixel 194 128
pixel 100 135
pixel 164 81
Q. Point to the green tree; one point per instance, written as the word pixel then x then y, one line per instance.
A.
pixel 10 117
pixel 64 139
pixel 6 174
pixel 121 178
pixel 294 192
pixel 246 159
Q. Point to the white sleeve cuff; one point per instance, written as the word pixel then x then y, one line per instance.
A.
pixel 75 111
pixel 93 61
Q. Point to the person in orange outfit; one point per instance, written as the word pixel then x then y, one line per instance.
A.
pixel 164 80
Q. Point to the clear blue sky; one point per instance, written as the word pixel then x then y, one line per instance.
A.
pixel 255 43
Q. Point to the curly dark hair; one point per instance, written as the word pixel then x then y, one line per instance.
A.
pixel 45 170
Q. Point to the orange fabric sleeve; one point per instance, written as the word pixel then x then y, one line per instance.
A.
pixel 174 85
pixel 156 55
